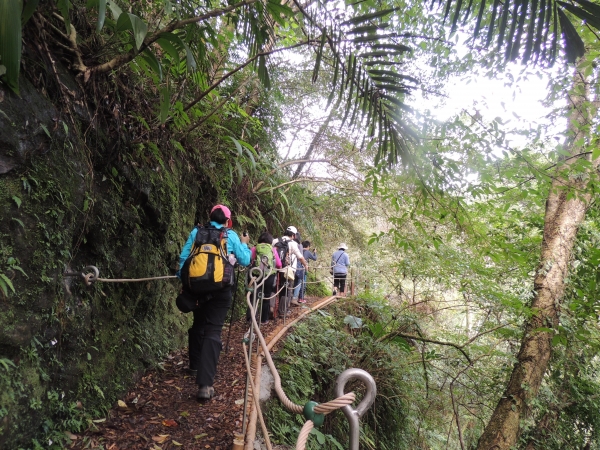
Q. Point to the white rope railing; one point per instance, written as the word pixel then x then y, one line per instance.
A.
pixel 323 408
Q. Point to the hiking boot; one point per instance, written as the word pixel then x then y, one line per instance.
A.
pixel 205 393
pixel 301 300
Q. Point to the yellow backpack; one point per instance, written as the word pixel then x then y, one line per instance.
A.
pixel 208 268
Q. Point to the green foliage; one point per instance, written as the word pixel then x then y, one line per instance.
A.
pixel 101 336
pixel 323 347
pixel 10 42
pixel 314 288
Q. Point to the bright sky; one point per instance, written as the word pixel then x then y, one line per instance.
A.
pixel 493 98
pixel 516 97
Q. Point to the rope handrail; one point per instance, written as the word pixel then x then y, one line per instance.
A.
pixel 316 410
pixel 94 276
pixel 323 408
pixel 255 399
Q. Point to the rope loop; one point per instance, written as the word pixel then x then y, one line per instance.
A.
pixel 337 403
pixel 92 277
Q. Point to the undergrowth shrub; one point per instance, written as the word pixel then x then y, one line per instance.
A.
pixel 325 345
pixel 316 287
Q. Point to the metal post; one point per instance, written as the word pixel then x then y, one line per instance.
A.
pixel 353 415
pixel 235 295
pixel 285 298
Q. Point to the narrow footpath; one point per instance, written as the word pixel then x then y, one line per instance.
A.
pixel 161 411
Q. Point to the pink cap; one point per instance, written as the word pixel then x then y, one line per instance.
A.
pixel 223 208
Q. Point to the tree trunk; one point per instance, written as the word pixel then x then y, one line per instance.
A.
pixel 565 210
pixel 314 143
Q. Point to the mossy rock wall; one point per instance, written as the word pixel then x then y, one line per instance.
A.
pixel 67 351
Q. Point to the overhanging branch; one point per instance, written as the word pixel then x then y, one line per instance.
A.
pixel 422 339
pixel 120 60
pixel 237 69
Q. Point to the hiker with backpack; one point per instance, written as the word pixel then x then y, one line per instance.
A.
pixel 308 256
pixel 265 257
pixel 300 281
pixel 340 261
pixel 289 253
pixel 299 274
pixel 207 273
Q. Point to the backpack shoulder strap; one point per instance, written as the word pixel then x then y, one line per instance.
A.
pixel 336 261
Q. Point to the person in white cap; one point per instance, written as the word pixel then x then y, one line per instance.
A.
pixel 289 253
pixel 340 261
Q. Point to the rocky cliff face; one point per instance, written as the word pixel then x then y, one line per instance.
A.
pixel 74 194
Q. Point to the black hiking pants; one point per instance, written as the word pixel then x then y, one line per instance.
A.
pixel 339 282
pixel 205 335
pixel 268 288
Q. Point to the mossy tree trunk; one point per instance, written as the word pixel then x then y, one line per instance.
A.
pixel 565 211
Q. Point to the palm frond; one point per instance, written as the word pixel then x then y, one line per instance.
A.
pixel 367 65
pixel 369 28
pixel 530 29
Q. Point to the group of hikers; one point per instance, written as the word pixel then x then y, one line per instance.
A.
pixel 270 255
pixel 206 269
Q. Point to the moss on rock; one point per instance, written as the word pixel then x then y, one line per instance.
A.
pixel 68 351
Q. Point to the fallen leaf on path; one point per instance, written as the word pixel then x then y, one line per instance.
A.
pixel 160 438
pixel 169 423
pixel 70 435
pixel 122 404
pixel 184 414
pixel 169 381
pixel 177 443
pixel 200 436
pixel 239 402
pixel 99 420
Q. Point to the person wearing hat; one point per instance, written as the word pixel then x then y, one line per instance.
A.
pixel 299 275
pixel 340 261
pixel 294 254
pixel 205 335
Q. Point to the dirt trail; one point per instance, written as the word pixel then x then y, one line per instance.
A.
pixel 161 411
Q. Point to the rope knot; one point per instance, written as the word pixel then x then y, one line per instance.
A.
pixel 92 277
pixel 309 414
